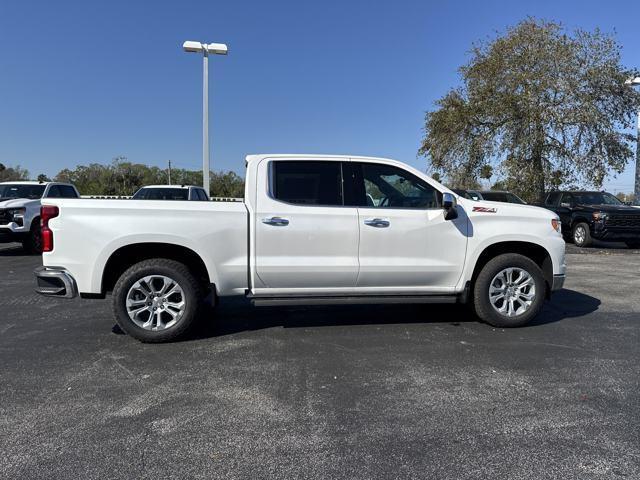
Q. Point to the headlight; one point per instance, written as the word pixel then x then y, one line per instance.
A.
pixel 599 216
pixel 18 215
pixel 555 224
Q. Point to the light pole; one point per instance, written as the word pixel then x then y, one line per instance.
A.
pixel 634 82
pixel 205 49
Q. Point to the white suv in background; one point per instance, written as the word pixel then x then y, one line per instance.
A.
pixel 20 210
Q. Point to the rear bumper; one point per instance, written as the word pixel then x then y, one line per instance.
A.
pixel 558 282
pixel 55 282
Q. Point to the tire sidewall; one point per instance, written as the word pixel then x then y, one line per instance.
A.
pixel 482 304
pixel 169 269
pixel 586 240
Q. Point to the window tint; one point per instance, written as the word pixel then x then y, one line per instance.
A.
pixel 552 199
pixel 513 198
pixel 200 194
pixel 566 198
pixel 495 196
pixel 385 186
pixel 162 194
pixel 307 183
pixel 67 191
pixel 54 192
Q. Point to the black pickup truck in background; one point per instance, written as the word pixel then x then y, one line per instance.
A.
pixel 594 215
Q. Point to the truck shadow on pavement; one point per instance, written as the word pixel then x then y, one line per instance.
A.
pixel 235 316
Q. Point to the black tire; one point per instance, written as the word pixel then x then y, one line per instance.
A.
pixel 634 245
pixel 581 235
pixel 33 243
pixel 483 307
pixel 176 271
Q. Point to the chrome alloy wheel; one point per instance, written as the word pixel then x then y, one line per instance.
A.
pixel 579 235
pixel 512 291
pixel 155 302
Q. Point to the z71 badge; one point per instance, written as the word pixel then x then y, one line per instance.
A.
pixel 485 209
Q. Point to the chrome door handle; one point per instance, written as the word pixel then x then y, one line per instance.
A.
pixel 277 221
pixel 377 222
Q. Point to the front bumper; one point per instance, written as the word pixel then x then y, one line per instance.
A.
pixel 55 282
pixel 558 282
pixel 12 233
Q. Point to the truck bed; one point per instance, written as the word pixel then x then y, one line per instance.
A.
pixel 87 232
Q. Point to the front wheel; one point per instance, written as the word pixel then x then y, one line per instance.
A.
pixel 33 243
pixel 582 235
pixel 157 300
pixel 509 291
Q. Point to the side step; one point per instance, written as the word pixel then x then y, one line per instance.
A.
pixel 268 301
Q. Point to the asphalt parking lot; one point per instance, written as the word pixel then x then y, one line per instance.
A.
pixel 358 392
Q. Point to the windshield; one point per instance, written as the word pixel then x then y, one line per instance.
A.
pixel 21 191
pixel 162 194
pixel 596 198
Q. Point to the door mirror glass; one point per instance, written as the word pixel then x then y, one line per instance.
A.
pixel 449 205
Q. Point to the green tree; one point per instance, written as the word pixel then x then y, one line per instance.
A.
pixel 541 106
pixel 122 177
pixel 43 178
pixel 9 174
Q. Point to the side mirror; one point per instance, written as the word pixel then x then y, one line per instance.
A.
pixel 449 205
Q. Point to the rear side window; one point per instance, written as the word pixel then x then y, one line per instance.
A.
pixel 307 183
pixel 67 191
pixel 200 194
pixel 552 199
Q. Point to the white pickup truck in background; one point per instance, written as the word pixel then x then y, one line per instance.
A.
pixel 20 210
pixel 313 229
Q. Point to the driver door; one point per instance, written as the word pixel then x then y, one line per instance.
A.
pixel 405 243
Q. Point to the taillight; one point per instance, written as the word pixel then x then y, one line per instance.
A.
pixel 47 212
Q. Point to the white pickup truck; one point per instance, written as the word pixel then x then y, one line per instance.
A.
pixel 312 229
pixel 20 210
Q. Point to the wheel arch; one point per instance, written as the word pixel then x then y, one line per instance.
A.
pixel 539 254
pixel 125 256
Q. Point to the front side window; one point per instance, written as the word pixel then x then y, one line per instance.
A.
pixel 386 186
pixel 552 199
pixel 597 198
pixel 307 182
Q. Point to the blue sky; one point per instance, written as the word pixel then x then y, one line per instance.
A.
pixel 86 81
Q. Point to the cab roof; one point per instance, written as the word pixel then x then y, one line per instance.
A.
pixel 311 156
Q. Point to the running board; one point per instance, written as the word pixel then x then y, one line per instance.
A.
pixel 272 301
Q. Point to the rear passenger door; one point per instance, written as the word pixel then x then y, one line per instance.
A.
pixel 305 238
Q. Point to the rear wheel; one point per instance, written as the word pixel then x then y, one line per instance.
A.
pixel 582 235
pixel 509 291
pixel 33 242
pixel 157 300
